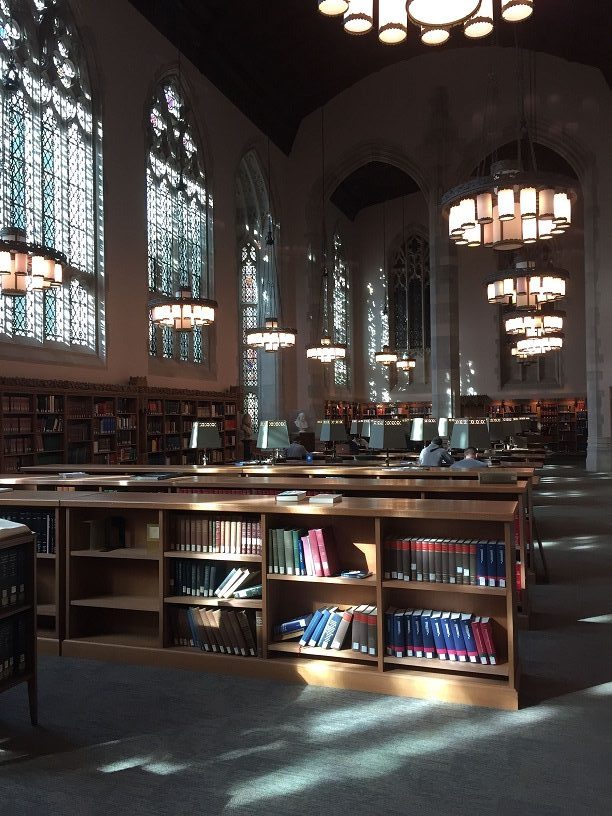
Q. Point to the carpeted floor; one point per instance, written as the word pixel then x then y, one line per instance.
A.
pixel 130 740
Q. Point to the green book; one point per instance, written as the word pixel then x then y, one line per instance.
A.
pixel 249 592
pixel 272 562
pixel 288 547
pixel 280 549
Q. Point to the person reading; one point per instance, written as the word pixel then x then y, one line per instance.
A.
pixel 469 462
pixel 435 454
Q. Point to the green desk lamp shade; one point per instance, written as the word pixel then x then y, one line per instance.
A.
pixel 497 431
pixel 389 434
pixel 445 427
pixel 332 430
pixel 360 427
pixel 470 433
pixel 423 429
pixel 272 434
pixel 205 436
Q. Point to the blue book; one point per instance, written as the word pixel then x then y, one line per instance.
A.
pixel 293 625
pixel 417 634
pixel 436 629
pixel 481 564
pixel 408 642
pixel 501 563
pixel 460 647
pixel 491 563
pixel 314 638
pixel 429 647
pixel 399 633
pixel 331 627
pixel 301 563
pixel 314 622
pixel 195 639
pixel 389 630
pixel 468 637
pixel 448 636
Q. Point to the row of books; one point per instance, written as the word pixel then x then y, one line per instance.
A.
pixel 202 580
pixel 12 576
pixel 446 561
pixel 18 444
pixel 50 403
pixel 303 552
pixel 332 628
pixel 225 631
pixel 106 424
pixel 16 404
pixel 40 522
pixel 454 636
pixel 216 533
pixel 13 642
pixel 16 425
pixel 51 424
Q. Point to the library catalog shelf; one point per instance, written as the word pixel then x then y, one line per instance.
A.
pixel 432 586
pixel 214 556
pixel 312 579
pixel 135 603
pixel 434 664
pixel 127 553
pixel 330 654
pixel 190 600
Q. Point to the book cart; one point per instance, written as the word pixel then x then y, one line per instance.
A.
pixel 18 611
pixel 119 602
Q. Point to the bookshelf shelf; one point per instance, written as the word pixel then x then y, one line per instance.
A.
pixel 431 586
pixel 46 556
pixel 10 611
pixel 135 553
pixel 330 654
pixel 119 639
pixel 136 603
pixel 46 610
pixel 214 556
pixel 312 579
pixel 447 666
pixel 239 603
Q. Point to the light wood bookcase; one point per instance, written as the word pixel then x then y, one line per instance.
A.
pixel 118 602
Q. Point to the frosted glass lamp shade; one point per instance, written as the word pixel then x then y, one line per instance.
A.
pixel 392 21
pixel 333 8
pixel 441 13
pixel 359 17
pixel 514 11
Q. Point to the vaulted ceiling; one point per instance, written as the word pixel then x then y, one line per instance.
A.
pixel 279 60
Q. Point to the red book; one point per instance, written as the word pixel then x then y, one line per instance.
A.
pixel 399 564
pixel 314 551
pixel 482 654
pixel 406 558
pixel 328 552
pixel 487 636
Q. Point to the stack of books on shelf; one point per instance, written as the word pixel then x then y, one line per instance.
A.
pixel 332 627
pixel 446 561
pixel 13 643
pixel 454 636
pixel 303 552
pixel 40 522
pixel 225 631
pixel 239 535
pixel 12 577
pixel 202 580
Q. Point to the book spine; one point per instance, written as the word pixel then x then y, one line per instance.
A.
pixel 487 636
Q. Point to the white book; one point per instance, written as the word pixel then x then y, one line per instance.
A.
pixel 290 496
pixel 237 579
pixel 225 581
pixel 326 498
pixel 342 629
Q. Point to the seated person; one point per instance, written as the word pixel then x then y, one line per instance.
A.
pixel 435 454
pixel 296 451
pixel 357 444
pixel 470 462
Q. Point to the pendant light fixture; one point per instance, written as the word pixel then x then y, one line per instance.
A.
pixel 270 335
pixel 386 357
pixel 183 312
pixel 434 18
pixel 527 284
pixel 24 265
pixel 406 362
pixel 326 351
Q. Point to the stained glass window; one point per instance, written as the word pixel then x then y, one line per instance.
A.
pixel 341 311
pixel 179 218
pixel 51 160
pixel 409 295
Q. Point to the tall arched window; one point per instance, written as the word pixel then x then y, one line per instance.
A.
pixel 409 295
pixel 51 173
pixel 341 317
pixel 178 218
pixel 258 370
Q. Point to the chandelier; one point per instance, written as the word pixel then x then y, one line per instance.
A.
pixel 534 323
pixel 270 337
pixel 326 351
pixel 406 363
pixel 184 313
pixel 527 285
pixel 386 357
pixel 434 18
pixel 529 347
pixel 509 209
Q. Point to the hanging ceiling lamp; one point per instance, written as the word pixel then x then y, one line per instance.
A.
pixel 184 313
pixel 24 266
pixel 527 285
pixel 272 335
pixel 530 347
pixel 435 18
pixel 386 357
pixel 534 322
pixel 326 351
pixel 406 363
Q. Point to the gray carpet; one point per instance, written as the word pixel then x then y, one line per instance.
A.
pixel 131 740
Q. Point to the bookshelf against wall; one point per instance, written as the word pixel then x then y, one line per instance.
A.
pixel 362 410
pixel 17 611
pixel 562 423
pixel 184 581
pixel 59 422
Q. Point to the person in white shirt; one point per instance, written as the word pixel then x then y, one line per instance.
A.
pixel 435 454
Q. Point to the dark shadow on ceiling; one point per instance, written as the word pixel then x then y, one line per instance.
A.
pixel 371 184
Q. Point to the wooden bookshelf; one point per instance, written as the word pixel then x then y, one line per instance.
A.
pixel 18 615
pixel 562 422
pixel 119 607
